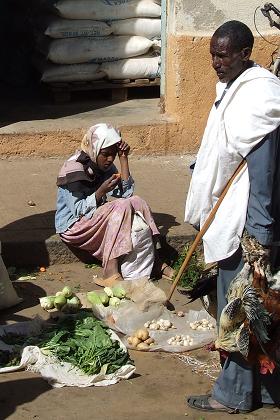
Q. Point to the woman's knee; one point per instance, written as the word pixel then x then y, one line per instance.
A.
pixel 136 200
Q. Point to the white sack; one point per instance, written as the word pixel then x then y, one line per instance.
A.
pixel 66 28
pixel 84 50
pixel 106 9
pixel 133 68
pixel 8 295
pixel 147 27
pixel 53 73
pixel 139 262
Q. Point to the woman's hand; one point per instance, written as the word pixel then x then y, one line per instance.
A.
pixel 107 186
pixel 123 149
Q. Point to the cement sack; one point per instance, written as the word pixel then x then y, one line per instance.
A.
pixel 53 73
pixel 147 27
pixel 106 9
pixel 139 262
pixel 142 67
pixel 97 50
pixel 66 28
pixel 8 296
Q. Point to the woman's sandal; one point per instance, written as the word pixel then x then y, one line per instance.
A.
pixel 109 282
pixel 201 402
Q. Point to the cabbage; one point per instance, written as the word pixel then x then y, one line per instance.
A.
pixel 104 298
pixel 47 302
pixel 59 302
pixel 73 305
pixel 108 291
pixel 118 292
pixel 114 301
pixel 93 298
pixel 67 291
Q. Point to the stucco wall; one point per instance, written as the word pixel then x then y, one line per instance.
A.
pixel 189 79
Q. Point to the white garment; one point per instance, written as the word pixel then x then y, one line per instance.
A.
pixel 249 110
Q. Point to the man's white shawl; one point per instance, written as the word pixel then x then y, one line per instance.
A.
pixel 249 110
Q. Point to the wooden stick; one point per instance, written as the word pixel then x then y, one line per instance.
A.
pixel 203 230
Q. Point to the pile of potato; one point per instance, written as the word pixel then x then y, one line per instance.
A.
pixel 141 340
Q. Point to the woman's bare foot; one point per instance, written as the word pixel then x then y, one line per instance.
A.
pixel 167 271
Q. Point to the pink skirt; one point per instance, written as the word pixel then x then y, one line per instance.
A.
pixel 107 234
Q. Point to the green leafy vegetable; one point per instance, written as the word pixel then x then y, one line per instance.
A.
pixel 193 271
pixel 84 342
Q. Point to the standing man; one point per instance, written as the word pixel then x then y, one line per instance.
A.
pixel 243 123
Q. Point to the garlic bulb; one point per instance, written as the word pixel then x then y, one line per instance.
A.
pixel 203 325
pixel 180 340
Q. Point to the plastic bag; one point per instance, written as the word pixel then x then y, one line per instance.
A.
pixel 147 303
pixel 107 9
pixel 146 67
pixel 96 49
pixel 8 295
pixel 64 28
pixel 139 262
pixel 149 28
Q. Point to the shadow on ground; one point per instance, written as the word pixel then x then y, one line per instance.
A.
pixel 18 392
pixel 31 241
pixel 30 293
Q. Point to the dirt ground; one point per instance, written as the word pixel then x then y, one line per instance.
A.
pixel 156 391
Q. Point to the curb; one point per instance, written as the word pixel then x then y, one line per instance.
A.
pixel 32 252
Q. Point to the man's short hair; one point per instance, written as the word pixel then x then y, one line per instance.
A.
pixel 239 34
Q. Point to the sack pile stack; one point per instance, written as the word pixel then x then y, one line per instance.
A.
pixel 85 40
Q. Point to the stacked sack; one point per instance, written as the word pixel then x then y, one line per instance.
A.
pixel 87 40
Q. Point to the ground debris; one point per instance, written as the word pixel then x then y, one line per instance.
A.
pixel 211 368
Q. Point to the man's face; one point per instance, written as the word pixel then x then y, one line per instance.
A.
pixel 226 62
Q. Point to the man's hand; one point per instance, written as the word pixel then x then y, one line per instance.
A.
pixel 123 149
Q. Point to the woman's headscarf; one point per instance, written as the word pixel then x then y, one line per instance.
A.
pixel 83 166
pixel 98 137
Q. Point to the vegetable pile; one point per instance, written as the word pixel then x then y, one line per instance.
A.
pixel 161 324
pixel 141 339
pixel 84 342
pixel 180 340
pixel 64 301
pixel 203 325
pixel 108 297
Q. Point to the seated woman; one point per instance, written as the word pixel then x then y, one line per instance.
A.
pixel 84 218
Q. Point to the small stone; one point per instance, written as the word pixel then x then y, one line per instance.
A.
pixel 31 203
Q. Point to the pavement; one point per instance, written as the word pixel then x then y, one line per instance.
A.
pixel 32 116
pixel 27 231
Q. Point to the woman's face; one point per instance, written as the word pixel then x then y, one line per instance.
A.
pixel 106 157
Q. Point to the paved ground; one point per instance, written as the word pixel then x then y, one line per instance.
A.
pixel 27 233
pixel 75 115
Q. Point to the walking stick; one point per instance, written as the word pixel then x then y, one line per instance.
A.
pixel 203 230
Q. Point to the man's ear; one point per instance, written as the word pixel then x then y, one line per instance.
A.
pixel 246 53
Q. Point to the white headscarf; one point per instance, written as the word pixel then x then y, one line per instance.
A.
pixel 99 137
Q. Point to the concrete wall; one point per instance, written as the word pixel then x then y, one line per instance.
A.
pixel 189 79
